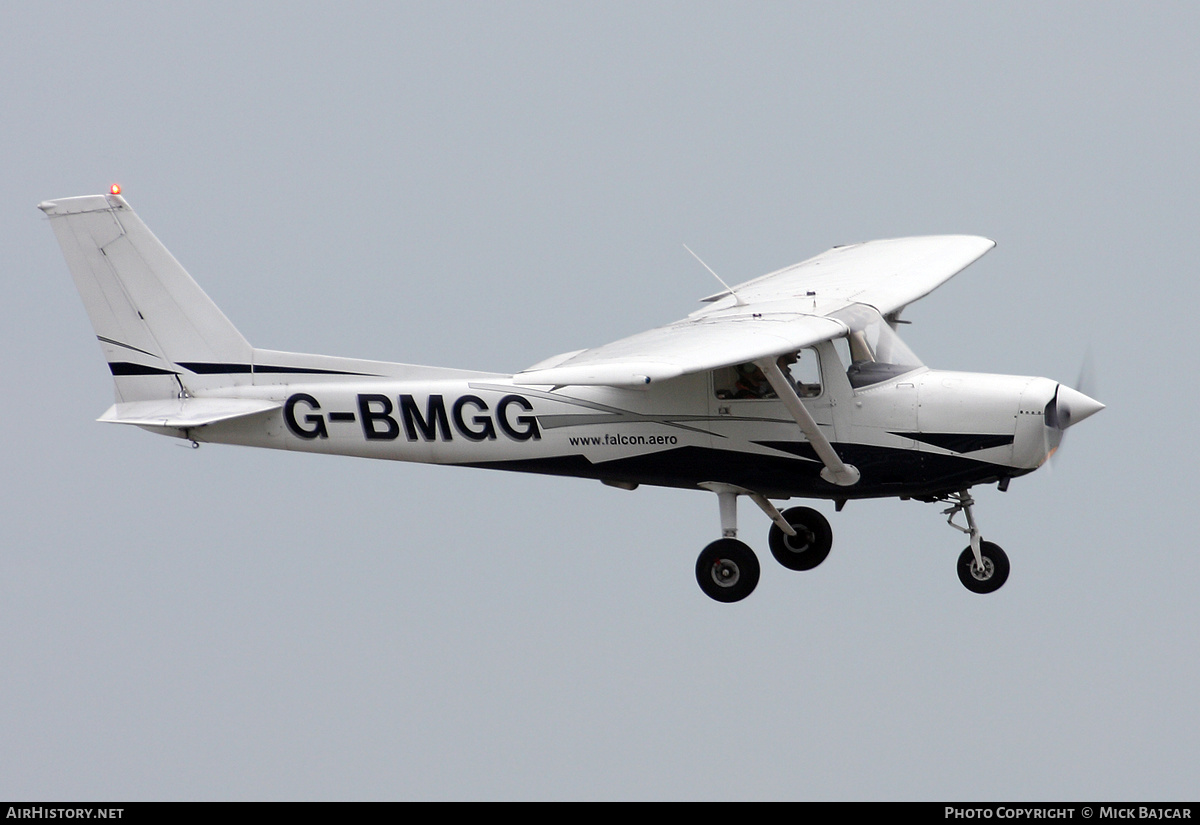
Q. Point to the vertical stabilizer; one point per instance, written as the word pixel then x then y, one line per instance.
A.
pixel 161 335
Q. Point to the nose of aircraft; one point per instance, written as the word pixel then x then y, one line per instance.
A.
pixel 1070 407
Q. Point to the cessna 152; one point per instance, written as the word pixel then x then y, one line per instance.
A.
pixel 792 384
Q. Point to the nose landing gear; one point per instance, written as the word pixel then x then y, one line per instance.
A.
pixel 983 566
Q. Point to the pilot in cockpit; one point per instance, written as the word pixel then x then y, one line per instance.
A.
pixel 751 383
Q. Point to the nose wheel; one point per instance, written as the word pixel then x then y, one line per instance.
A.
pixel 987 575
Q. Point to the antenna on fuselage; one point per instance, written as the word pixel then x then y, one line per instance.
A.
pixel 737 298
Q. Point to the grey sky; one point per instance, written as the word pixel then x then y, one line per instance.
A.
pixel 483 185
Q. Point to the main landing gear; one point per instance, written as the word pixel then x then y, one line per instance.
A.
pixel 728 569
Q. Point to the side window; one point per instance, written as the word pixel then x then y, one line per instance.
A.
pixel 747 382
pixel 806 373
pixel 744 381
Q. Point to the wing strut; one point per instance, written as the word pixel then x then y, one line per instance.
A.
pixel 835 472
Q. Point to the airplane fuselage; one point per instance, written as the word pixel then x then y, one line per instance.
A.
pixel 921 434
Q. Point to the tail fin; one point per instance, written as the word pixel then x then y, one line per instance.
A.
pixel 153 321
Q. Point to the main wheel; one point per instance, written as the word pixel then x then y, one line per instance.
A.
pixel 991 576
pixel 809 546
pixel 727 570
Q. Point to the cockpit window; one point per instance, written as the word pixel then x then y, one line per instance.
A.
pixel 746 381
pixel 872 350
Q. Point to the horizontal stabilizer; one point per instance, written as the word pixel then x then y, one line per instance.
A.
pixel 185 413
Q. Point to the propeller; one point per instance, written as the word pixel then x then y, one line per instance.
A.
pixel 1069 406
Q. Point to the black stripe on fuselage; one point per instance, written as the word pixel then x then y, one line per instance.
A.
pixel 886 471
pixel 200 368
pixel 960 442
pixel 126 368
pixel 205 368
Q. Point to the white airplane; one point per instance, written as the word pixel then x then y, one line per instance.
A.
pixel 792 384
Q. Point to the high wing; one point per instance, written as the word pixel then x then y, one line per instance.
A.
pixel 771 315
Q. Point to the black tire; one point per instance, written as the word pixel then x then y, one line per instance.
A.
pixel 727 570
pixel 811 544
pixel 994 573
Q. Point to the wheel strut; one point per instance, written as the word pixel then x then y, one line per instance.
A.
pixel 727 501
pixel 963 503
pixel 983 567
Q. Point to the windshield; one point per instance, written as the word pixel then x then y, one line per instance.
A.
pixel 876 353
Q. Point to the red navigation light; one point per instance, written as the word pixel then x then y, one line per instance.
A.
pixel 115 189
